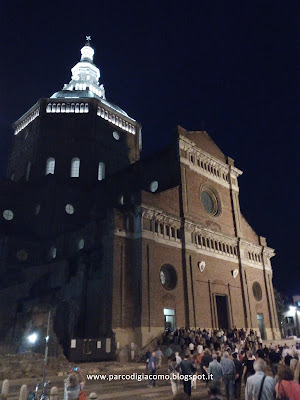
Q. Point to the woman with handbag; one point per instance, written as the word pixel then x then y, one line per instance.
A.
pixel 286 388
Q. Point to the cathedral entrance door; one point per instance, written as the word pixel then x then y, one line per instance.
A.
pixel 222 311
pixel 169 314
pixel 261 326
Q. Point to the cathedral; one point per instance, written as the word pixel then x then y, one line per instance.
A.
pixel 120 248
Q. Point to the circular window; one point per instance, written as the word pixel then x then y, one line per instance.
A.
pixel 168 277
pixel 22 255
pixel 52 252
pixel 257 292
pixel 116 135
pixel 69 209
pixel 80 244
pixel 210 201
pixel 37 209
pixel 8 215
pixel 153 186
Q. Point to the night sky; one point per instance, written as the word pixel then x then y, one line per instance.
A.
pixel 227 67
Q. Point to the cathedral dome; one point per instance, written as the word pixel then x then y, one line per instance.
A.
pixel 85 81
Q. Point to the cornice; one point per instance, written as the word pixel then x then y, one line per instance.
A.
pixel 209 233
pixel 248 246
pixel 187 144
pixel 190 227
pixel 209 166
pixel 189 246
pixel 160 216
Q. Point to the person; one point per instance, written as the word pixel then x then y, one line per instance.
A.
pixel 159 355
pixel 294 361
pixel 286 387
pixel 200 348
pixel 206 359
pixel 214 390
pixel 187 369
pixel 173 369
pixel 259 383
pixel 238 375
pixel 73 385
pixel 248 369
pixel 169 352
pixel 147 356
pixel 228 368
pixel 215 368
pixel 182 344
pixel 242 356
pixel 275 359
pixel 192 347
pixel 260 354
pixel 297 373
pixel 178 358
pixel 288 358
pixel 152 368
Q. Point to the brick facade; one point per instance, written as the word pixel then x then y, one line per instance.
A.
pixel 164 234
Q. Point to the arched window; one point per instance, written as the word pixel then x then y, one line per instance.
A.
pixel 52 252
pixel 101 171
pixel 80 244
pixel 167 231
pixel 75 165
pixel 28 171
pixel 50 166
pixel 161 229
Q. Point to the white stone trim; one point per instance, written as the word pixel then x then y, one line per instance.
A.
pixel 203 158
pixel 211 253
pixel 67 107
pixel 21 124
pixel 115 119
pixel 201 229
pixel 199 238
pixel 201 171
pixel 177 244
pixel 160 216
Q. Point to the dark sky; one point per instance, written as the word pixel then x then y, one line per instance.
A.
pixel 228 66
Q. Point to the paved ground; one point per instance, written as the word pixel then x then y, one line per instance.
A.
pixel 116 389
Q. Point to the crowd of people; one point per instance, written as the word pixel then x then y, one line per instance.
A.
pixel 229 359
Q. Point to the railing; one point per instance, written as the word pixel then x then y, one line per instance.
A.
pixel 158 337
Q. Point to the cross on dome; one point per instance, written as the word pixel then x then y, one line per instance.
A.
pixel 88 38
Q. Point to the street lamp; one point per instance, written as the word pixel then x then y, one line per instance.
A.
pixel 32 338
